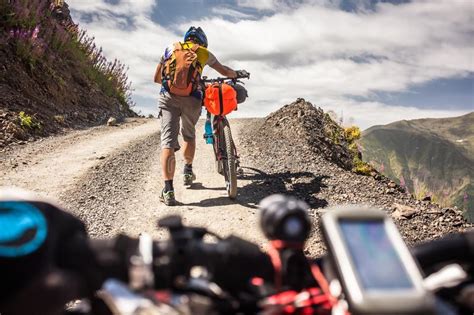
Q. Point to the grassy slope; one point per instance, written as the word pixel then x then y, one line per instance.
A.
pixel 58 78
pixel 430 156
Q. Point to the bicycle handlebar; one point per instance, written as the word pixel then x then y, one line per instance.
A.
pixel 241 74
pixel 185 249
pixel 232 263
pixel 455 247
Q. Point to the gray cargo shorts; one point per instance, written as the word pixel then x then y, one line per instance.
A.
pixel 172 108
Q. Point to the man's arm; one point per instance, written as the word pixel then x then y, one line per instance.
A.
pixel 224 70
pixel 158 73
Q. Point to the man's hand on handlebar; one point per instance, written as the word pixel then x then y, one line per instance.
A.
pixel 242 74
pixel 237 74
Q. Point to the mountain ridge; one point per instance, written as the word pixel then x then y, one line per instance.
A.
pixel 289 149
pixel 431 157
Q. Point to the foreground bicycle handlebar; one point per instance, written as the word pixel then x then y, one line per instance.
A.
pixel 230 272
pixel 185 249
pixel 233 276
pixel 456 248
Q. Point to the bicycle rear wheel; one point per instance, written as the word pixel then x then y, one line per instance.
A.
pixel 230 171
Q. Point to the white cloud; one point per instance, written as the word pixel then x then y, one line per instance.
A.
pixel 260 5
pixel 363 114
pixel 282 5
pixel 126 7
pixel 313 50
pixel 366 114
pixel 139 46
pixel 222 11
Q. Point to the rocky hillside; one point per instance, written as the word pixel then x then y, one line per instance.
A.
pixel 314 164
pixel 433 158
pixel 52 76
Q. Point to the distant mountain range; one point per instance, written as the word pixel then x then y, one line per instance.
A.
pixel 431 157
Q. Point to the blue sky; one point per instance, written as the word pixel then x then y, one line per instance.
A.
pixel 374 61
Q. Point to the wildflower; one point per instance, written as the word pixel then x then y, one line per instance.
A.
pixel 402 181
pixel 35 33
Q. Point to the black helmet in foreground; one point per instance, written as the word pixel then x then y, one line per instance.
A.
pixel 284 218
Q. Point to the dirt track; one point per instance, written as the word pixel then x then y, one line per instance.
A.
pixel 111 178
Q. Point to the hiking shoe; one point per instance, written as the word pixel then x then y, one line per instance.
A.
pixel 167 197
pixel 188 178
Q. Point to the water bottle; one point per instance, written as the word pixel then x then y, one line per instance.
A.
pixel 208 132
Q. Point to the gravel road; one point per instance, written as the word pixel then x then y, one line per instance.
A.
pixel 110 177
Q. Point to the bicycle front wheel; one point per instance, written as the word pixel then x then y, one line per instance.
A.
pixel 230 171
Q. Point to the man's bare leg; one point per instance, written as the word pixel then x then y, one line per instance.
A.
pixel 168 166
pixel 188 152
pixel 168 163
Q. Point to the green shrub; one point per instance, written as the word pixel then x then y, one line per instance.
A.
pixel 27 121
pixel 361 167
pixel 352 134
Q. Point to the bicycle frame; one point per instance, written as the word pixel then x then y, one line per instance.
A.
pixel 218 123
pixel 224 148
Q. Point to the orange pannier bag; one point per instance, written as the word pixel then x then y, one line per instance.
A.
pixel 220 99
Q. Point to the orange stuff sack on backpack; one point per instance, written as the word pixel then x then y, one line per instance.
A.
pixel 220 99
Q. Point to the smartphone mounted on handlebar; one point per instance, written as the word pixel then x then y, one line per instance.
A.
pixel 377 273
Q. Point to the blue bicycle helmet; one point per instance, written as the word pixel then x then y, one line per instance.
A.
pixel 196 34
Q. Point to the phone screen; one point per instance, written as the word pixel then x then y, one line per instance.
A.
pixel 377 263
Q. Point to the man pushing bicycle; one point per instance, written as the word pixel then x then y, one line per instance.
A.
pixel 179 73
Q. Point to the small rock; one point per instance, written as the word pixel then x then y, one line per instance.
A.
pixel 427 198
pixel 403 212
pixel 112 121
pixel 445 210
